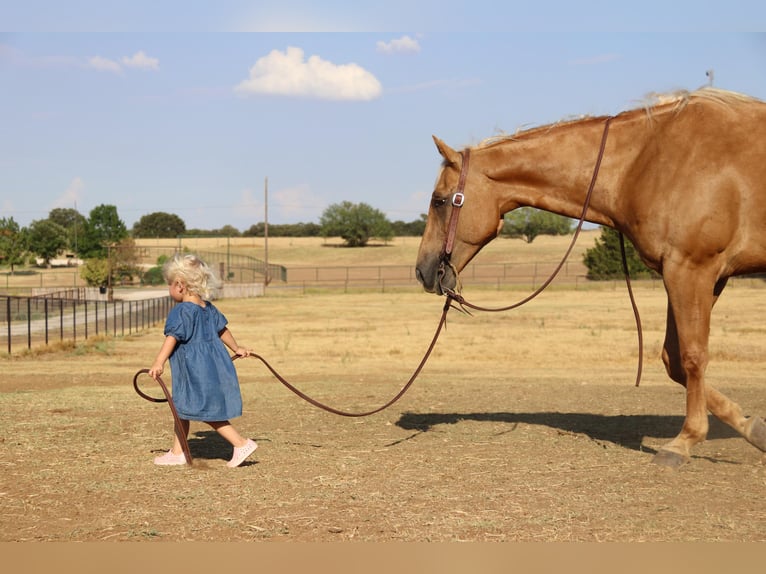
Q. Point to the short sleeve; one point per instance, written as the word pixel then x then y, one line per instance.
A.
pixel 219 321
pixel 175 326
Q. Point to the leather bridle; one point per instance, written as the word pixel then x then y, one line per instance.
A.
pixel 458 198
pixel 458 201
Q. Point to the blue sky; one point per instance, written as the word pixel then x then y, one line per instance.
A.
pixel 167 106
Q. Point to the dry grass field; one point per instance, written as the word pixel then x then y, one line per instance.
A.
pixel 523 426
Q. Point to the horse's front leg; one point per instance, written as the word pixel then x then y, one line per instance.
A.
pixel 685 355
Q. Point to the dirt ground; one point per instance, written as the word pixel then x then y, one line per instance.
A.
pixel 523 427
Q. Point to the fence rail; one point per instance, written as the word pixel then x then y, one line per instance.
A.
pixel 379 276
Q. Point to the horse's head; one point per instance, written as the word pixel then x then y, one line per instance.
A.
pixel 479 222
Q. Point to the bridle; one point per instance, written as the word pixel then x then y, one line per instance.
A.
pixel 458 201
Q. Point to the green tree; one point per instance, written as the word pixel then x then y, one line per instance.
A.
pixel 95 272
pixel 46 239
pixel 104 228
pixel 604 259
pixel 123 261
pixel 159 224
pixel 227 231
pixel 283 230
pixel 410 229
pixel 71 220
pixel 356 223
pixel 527 223
pixel 13 242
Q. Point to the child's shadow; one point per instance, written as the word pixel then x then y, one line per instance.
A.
pixel 209 445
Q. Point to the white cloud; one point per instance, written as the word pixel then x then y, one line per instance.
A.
pixel 289 74
pixel 72 194
pixel 296 203
pixel 250 206
pixel 104 64
pixel 139 60
pixel 142 61
pixel 403 44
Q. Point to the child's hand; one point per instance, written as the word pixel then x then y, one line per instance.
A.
pixel 242 352
pixel 156 371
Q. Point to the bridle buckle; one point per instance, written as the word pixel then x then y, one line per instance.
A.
pixel 458 199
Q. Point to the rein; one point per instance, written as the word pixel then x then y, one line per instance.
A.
pixel 458 200
pixel 177 421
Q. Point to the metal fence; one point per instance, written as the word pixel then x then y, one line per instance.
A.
pixel 382 277
pixel 36 321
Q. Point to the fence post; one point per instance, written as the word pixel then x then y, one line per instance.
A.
pixel 29 323
pixel 8 316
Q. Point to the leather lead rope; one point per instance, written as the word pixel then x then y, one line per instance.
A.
pixel 179 429
pixel 182 436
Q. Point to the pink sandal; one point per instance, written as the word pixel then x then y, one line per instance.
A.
pixel 170 459
pixel 241 453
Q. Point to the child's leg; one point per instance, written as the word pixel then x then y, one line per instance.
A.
pixel 177 448
pixel 227 431
pixel 176 454
pixel 243 447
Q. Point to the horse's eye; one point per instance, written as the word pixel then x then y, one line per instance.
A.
pixel 438 201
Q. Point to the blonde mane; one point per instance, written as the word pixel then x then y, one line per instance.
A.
pixel 650 103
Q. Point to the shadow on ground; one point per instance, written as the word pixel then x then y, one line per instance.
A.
pixel 627 431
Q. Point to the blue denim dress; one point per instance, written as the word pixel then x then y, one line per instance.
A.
pixel 204 381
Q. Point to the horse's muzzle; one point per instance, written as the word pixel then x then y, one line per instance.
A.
pixel 428 286
pixel 437 280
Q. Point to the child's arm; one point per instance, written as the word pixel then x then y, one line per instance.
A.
pixel 228 340
pixel 158 367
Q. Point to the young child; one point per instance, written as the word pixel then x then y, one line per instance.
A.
pixel 205 384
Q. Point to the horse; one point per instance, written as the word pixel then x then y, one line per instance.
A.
pixel 683 177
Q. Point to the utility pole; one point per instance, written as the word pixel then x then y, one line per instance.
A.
pixel 266 276
pixel 709 74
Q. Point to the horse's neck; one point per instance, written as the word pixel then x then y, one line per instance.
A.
pixel 552 170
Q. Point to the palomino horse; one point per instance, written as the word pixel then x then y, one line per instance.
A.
pixel 684 179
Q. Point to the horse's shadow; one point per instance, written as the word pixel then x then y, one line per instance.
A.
pixel 627 431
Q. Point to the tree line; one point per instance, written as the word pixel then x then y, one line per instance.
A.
pixel 108 247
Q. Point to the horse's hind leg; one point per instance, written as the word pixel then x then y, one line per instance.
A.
pixel 727 411
pixel 753 428
pixel 685 355
pixel 755 432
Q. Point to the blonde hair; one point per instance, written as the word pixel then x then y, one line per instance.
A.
pixel 193 272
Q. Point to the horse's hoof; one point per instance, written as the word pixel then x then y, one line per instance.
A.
pixel 669 459
pixel 755 432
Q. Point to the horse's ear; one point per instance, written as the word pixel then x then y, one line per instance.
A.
pixel 449 154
